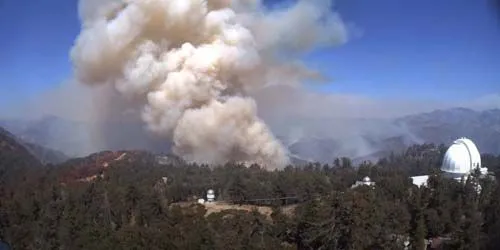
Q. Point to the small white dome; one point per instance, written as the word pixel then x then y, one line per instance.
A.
pixel 461 157
pixel 210 191
pixel 367 179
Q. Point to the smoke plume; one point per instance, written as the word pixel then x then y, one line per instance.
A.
pixel 192 66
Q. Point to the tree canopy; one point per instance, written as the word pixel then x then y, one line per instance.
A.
pixel 129 205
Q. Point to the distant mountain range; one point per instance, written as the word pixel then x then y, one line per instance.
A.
pixel 42 155
pixel 13 154
pixel 51 132
pixel 444 126
pixel 370 140
pixel 438 127
pixel 77 139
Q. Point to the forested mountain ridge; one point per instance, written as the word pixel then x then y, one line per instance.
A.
pixel 49 132
pixel 375 138
pixel 90 167
pixel 444 126
pixel 42 154
pixel 133 204
pixel 16 162
pixel 13 152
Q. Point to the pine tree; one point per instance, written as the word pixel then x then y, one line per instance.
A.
pixel 418 232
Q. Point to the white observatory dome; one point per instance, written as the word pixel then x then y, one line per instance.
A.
pixel 461 157
pixel 367 179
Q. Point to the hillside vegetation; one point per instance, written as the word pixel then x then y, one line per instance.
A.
pixel 138 200
pixel 318 141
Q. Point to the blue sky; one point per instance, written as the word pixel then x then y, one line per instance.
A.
pixel 426 49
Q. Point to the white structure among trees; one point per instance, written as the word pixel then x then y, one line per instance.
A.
pixel 210 195
pixel 461 159
pixel 365 182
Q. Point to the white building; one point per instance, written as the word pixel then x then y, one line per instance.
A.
pixel 420 180
pixel 365 182
pixel 460 160
pixel 210 195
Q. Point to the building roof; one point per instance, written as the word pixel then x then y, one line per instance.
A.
pixel 461 157
pixel 420 180
pixel 365 182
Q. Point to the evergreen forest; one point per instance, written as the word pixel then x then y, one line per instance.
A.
pixel 141 203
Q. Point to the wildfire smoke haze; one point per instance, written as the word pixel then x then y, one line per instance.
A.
pixel 193 67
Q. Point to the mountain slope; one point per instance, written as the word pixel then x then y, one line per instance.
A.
pixel 444 126
pixel 438 127
pixel 41 154
pixel 79 139
pixel 361 139
pixel 50 132
pixel 46 155
pixel 10 146
pixel 15 159
pixel 88 168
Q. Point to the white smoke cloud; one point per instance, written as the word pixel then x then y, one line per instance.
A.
pixel 193 66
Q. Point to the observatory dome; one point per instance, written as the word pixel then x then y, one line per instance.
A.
pixel 461 157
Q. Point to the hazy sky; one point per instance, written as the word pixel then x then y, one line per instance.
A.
pixel 428 49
